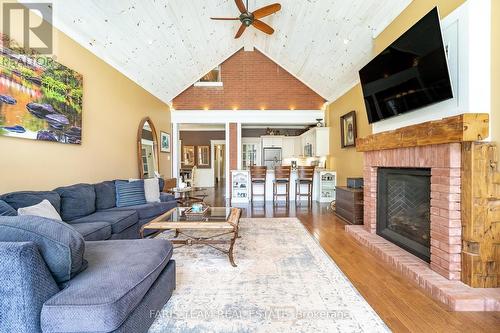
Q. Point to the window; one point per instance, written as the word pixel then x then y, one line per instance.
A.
pixel 211 79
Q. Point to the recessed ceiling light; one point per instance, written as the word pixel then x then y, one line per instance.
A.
pixel 346 41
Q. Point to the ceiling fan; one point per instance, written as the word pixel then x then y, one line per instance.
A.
pixel 248 18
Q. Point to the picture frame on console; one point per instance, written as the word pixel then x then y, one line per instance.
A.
pixel 164 142
pixel 348 130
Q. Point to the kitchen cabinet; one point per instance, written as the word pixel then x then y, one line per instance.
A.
pixel 322 141
pixel 251 152
pixel 272 141
pixel 319 139
pixel 289 147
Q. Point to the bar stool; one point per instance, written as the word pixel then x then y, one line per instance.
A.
pixel 305 176
pixel 281 177
pixel 258 176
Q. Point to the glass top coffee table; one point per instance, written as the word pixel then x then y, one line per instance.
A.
pixel 219 226
pixel 188 195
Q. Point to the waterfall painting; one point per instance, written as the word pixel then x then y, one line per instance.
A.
pixel 40 99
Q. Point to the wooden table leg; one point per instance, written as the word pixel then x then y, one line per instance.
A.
pixel 230 253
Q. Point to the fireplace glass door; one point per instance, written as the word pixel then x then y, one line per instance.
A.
pixel 403 208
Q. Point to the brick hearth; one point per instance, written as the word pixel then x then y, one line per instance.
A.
pixel 456 295
pixel 444 160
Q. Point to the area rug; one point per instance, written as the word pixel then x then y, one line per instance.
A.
pixel 284 282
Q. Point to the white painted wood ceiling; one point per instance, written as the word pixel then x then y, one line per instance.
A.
pixel 167 45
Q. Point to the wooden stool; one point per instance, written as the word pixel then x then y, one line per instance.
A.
pixel 281 177
pixel 305 176
pixel 258 176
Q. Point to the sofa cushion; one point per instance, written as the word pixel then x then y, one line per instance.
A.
pixel 6 209
pixel 102 297
pixel 150 209
pixel 105 195
pixel 61 246
pixel 118 219
pixel 161 184
pixel 42 209
pixel 94 231
pixel 165 197
pixel 29 198
pixel 76 201
pixel 129 193
pixel 26 285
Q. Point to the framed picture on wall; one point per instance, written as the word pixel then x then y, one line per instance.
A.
pixel 164 142
pixel 348 130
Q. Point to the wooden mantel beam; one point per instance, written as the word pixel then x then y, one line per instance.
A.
pixel 467 127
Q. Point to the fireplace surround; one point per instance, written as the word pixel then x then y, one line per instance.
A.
pixel 444 163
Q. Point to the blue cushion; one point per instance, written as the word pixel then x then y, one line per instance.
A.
pixel 161 183
pixel 166 197
pixel 30 198
pixel 105 195
pixel 26 285
pixel 61 246
pixel 94 231
pixel 119 219
pixel 6 209
pixel 100 299
pixel 129 193
pixel 148 210
pixel 76 201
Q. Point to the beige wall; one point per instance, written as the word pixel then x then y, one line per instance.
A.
pixel 347 162
pixel 112 109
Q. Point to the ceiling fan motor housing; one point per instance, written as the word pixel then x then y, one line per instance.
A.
pixel 247 19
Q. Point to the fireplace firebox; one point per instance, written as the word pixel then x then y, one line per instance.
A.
pixel 403 208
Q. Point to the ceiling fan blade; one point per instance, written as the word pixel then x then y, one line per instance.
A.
pixel 267 10
pixel 241 6
pixel 263 27
pixel 240 31
pixel 224 18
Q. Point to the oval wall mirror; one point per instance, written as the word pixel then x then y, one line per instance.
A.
pixel 147 149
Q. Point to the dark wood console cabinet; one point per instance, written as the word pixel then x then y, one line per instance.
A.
pixel 349 204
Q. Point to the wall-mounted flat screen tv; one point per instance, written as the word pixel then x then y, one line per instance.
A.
pixel 408 75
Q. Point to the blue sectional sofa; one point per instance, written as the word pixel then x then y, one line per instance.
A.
pixel 88 274
pixel 92 211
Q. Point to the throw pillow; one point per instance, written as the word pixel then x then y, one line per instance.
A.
pixel 6 209
pixel 43 209
pixel 152 190
pixel 61 246
pixel 130 193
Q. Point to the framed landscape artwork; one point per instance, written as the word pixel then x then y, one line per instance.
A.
pixel 40 99
pixel 348 130
pixel 165 142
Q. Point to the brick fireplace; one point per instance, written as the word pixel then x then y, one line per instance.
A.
pixel 444 161
pixel 458 208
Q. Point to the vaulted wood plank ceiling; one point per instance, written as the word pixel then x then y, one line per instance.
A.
pixel 167 45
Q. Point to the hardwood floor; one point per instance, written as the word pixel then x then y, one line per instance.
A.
pixel 402 306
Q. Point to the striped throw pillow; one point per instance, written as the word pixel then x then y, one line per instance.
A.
pixel 129 193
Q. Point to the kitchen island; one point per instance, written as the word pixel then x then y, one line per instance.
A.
pixel 318 193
